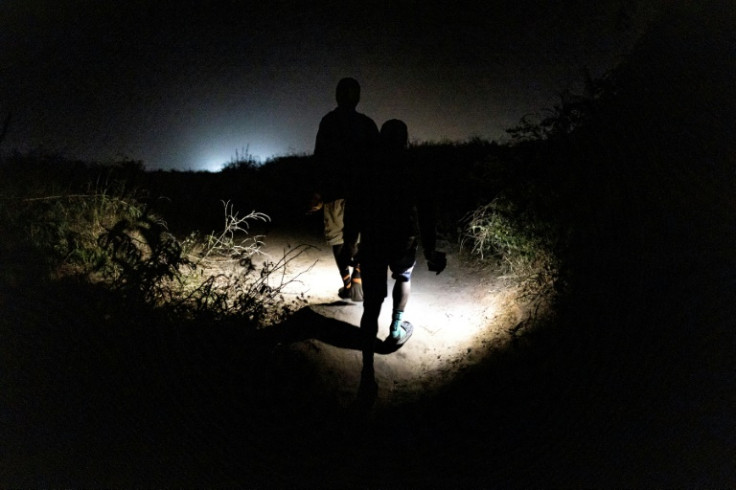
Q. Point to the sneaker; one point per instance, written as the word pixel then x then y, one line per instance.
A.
pixel 400 335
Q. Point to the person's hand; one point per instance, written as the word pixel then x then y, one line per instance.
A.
pixel 348 253
pixel 437 261
pixel 315 203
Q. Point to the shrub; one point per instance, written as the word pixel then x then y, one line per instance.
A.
pixel 143 255
pixel 522 246
pixel 58 222
pixel 101 231
pixel 210 278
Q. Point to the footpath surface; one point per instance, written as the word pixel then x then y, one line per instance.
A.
pixel 458 317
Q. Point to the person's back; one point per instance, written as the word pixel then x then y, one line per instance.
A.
pixel 388 202
pixel 346 140
pixel 385 212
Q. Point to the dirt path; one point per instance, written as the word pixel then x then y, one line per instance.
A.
pixel 458 317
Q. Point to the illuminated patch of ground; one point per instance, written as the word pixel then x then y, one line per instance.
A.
pixel 459 316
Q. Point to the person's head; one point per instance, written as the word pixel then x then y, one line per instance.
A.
pixel 348 93
pixel 394 135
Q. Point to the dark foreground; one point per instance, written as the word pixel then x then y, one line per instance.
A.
pixel 635 387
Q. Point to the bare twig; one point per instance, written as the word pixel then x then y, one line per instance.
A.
pixel 225 243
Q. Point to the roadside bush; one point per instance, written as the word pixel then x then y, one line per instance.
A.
pixel 51 221
pixel 212 277
pixel 141 256
pixel 54 225
pixel 227 282
pixel 520 245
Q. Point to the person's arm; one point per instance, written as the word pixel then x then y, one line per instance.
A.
pixel 317 161
pixel 318 168
pixel 352 223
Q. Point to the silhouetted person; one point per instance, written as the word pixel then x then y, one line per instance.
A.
pixel 346 140
pixel 390 212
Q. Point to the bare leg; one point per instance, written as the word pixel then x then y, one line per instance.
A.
pixel 400 294
pixel 369 330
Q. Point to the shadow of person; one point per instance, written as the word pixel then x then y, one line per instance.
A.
pixel 367 390
pixel 306 324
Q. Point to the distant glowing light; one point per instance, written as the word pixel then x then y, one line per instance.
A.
pixel 214 160
pixel 214 164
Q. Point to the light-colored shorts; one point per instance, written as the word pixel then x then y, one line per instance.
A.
pixel 334 212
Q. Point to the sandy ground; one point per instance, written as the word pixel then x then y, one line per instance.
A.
pixel 459 316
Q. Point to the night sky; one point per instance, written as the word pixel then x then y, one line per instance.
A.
pixel 187 85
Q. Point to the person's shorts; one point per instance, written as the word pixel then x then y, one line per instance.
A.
pixel 374 269
pixel 334 212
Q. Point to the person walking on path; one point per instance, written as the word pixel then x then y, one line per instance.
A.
pixel 391 213
pixel 346 140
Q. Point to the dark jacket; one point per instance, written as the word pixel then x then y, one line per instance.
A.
pixel 390 209
pixel 346 139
